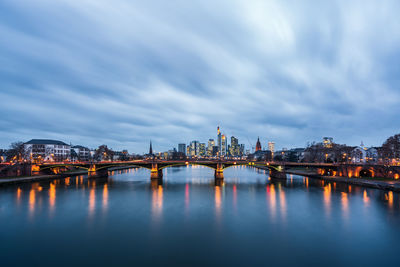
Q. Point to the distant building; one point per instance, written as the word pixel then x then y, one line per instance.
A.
pixel 48 150
pixel 82 153
pixel 219 140
pixel 194 149
pixel 202 149
pixel 182 148
pixel 327 142
pixel 211 144
pixel 258 145
pixel 234 149
pixel 224 145
pixel 271 147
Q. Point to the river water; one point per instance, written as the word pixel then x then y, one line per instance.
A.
pixel 189 220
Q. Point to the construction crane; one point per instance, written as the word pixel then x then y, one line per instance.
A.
pixel 251 145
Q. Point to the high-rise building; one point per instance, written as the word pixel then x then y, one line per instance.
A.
pixel 258 145
pixel 211 143
pixel 194 148
pixel 202 149
pixel 234 149
pixel 219 141
pixel 182 148
pixel 271 147
pixel 223 145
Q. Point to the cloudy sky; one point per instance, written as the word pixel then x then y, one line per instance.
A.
pixel 124 72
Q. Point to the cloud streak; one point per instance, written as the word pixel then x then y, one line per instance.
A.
pixel 122 72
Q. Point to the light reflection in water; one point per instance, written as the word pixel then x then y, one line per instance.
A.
pixel 218 202
pixel 234 197
pixel 52 196
pixel 92 198
pixel 327 199
pixel 19 193
pixel 32 199
pixel 272 201
pixel 365 197
pixel 105 197
pixel 157 202
pixel 187 198
pixel 345 205
pixel 390 199
pixel 282 203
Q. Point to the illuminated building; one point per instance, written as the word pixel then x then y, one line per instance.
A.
pixel 182 148
pixel 202 149
pixel 327 142
pixel 211 144
pixel 234 149
pixel 271 147
pixel 82 153
pixel 258 145
pixel 223 145
pixel 219 142
pixel 48 150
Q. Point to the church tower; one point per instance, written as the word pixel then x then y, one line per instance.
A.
pixel 258 145
pixel 151 149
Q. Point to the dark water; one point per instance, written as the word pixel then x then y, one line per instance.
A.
pixel 189 220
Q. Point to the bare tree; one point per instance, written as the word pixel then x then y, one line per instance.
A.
pixel 17 152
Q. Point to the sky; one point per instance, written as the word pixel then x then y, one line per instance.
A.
pixel 120 73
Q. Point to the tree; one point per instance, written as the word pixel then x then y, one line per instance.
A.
pixel 391 148
pixel 17 152
pixel 103 153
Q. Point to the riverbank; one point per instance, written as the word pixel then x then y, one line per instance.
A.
pixel 366 182
pixel 40 178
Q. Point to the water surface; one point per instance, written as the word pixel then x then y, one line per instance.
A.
pixel 188 219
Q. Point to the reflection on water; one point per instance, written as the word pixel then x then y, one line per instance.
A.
pixel 156 201
pixel 327 200
pixel 92 198
pixel 105 197
pixel 252 215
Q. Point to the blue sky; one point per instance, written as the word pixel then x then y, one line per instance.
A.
pixel 124 72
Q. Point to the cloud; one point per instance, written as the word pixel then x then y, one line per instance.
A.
pixel 124 72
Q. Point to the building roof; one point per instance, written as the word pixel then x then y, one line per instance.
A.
pixel 45 142
pixel 80 147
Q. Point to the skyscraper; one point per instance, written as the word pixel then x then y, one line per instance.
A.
pixel 271 147
pixel 202 149
pixel 223 145
pixel 219 144
pixel 211 144
pixel 182 148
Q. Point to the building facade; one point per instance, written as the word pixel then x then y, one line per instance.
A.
pixel 47 150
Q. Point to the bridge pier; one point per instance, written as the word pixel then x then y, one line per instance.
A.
pixel 93 172
pixel 219 171
pixel 276 174
pixel 155 173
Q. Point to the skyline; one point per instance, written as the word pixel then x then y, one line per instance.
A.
pixel 120 74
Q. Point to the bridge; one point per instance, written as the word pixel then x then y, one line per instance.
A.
pixel 276 169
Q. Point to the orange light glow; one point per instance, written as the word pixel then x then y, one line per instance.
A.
pixel 32 200
pixel 365 197
pixel 52 195
pixel 105 197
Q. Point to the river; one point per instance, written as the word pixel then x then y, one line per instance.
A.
pixel 189 220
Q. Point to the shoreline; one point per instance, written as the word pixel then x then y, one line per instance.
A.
pixel 39 178
pixel 390 185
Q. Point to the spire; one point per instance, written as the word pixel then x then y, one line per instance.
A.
pixel 258 144
pixel 151 149
pixel 218 130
